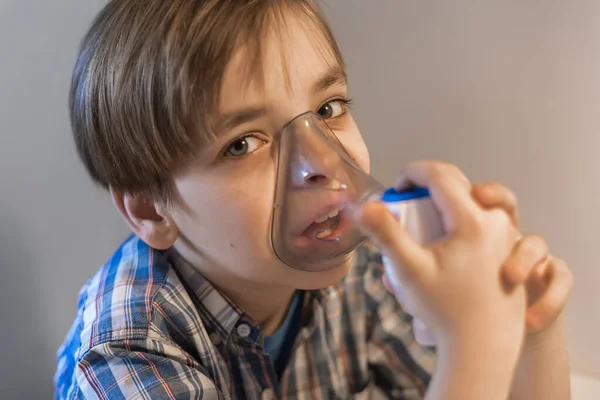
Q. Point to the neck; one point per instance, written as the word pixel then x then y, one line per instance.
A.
pixel 264 303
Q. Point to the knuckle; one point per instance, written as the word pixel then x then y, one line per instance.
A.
pixel 502 191
pixel 535 321
pixel 453 169
pixel 512 198
pixel 488 188
pixel 533 246
pixel 418 165
pixel 571 280
pixel 499 227
pixel 448 169
pixel 569 277
pixel 560 264
pixel 509 197
pixel 437 171
pixel 476 222
pixel 564 269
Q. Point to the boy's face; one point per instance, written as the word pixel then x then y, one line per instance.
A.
pixel 227 194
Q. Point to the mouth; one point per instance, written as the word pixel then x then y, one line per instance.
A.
pixel 327 226
pixel 329 233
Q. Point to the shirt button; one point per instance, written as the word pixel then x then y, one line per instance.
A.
pixel 244 330
pixel 215 338
pixel 268 394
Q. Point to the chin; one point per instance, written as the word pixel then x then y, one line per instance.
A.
pixel 305 280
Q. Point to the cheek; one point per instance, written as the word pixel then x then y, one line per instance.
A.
pixel 228 211
pixel 361 155
pixel 356 147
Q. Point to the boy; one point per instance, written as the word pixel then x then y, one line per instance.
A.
pixel 176 107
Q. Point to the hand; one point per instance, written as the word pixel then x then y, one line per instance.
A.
pixel 454 286
pixel 548 279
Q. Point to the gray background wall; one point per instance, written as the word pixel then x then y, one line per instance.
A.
pixel 506 89
pixel 56 228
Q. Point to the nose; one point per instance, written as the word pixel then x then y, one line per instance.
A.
pixel 319 162
pixel 309 148
pixel 316 179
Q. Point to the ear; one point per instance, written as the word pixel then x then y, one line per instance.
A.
pixel 146 219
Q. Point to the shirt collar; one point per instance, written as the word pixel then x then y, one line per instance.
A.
pixel 223 316
pixel 216 310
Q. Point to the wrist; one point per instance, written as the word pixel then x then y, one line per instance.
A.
pixel 475 366
pixel 484 336
pixel 547 336
pixel 483 349
pixel 543 371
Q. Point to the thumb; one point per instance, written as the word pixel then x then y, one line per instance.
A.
pixel 409 257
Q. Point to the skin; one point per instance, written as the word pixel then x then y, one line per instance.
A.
pixel 472 344
pixel 543 370
pixel 221 226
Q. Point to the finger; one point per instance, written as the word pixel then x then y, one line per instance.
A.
pixel 551 303
pixel 405 181
pixel 449 188
pixel 541 272
pixel 537 283
pixel 529 252
pixel 493 194
pixel 410 259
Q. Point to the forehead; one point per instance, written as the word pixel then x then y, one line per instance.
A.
pixel 289 58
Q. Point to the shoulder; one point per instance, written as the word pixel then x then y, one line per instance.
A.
pixel 154 368
pixel 135 310
pixel 120 301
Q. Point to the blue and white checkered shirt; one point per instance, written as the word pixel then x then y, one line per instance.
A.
pixel 149 326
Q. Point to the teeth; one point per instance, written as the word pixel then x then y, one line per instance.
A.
pixel 332 214
pixel 324 233
pixel 321 219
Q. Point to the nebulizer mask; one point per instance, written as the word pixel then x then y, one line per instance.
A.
pixel 317 183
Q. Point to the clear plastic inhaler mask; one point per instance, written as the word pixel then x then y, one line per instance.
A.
pixel 316 184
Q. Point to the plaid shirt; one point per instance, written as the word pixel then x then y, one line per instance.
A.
pixel 149 326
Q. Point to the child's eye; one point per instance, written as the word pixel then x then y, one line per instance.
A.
pixel 333 108
pixel 243 146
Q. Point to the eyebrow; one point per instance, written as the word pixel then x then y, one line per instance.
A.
pixel 334 76
pixel 231 120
